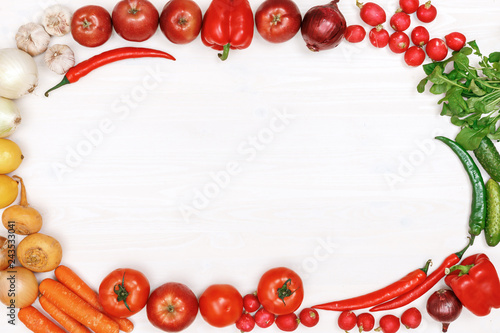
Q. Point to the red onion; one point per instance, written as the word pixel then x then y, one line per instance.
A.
pixel 444 307
pixel 323 27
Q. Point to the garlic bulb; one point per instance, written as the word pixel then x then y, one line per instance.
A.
pixel 56 20
pixel 59 58
pixel 32 38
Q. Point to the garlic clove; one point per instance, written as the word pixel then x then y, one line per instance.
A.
pixel 56 20
pixel 59 58
pixel 32 38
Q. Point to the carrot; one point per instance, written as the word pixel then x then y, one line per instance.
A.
pixel 74 283
pixel 37 322
pixel 61 317
pixel 74 306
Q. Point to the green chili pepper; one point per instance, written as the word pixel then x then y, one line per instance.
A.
pixel 477 218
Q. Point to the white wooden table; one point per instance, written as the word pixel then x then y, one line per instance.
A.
pixel 213 172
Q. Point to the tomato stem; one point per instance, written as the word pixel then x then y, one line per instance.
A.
pixel 122 292
pixel 284 291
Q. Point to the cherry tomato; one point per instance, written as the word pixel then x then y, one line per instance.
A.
pixel 91 26
pixel 280 291
pixel 221 305
pixel 124 292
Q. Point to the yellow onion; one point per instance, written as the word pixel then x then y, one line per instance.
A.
pixel 18 287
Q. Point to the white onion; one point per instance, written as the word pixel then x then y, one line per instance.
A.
pixel 10 117
pixel 18 73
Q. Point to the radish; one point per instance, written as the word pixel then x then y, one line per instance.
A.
pixel 246 323
pixel 411 318
pixel 263 318
pixel 420 36
pixel 347 320
pixel 389 324
pixel 379 37
pixel 426 12
pixel 409 6
pixel 414 56
pixel 288 322
pixel 455 40
pixel 399 42
pixel 400 21
pixel 251 303
pixel 309 317
pixel 371 13
pixel 436 49
pixel 354 33
pixel 365 322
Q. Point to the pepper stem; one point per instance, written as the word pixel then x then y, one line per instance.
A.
pixel 427 265
pixel 461 253
pixel 60 84
pixel 225 52
pixel 464 269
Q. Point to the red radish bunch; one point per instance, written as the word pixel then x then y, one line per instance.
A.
pixel 251 303
pixel 399 42
pixel 371 13
pixel 264 318
pixel 427 12
pixel 389 324
pixel 347 320
pixel 455 41
pixel 411 318
pixel 309 317
pixel 365 322
pixel 288 322
pixel 355 33
pixel 414 56
pixel 246 323
pixel 400 21
pixel 409 6
pixel 379 37
pixel 420 36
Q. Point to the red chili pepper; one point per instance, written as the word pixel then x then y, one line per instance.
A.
pixel 77 72
pixel 421 289
pixel 476 284
pixel 228 24
pixel 408 282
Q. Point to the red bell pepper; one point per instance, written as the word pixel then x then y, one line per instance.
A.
pixel 228 24
pixel 476 283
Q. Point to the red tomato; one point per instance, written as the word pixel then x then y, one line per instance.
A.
pixel 280 291
pixel 180 21
pixel 221 305
pixel 278 20
pixel 135 20
pixel 124 292
pixel 172 307
pixel 91 26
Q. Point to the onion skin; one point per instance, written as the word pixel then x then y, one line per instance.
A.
pixel 22 286
pixel 323 27
pixel 4 253
pixel 444 307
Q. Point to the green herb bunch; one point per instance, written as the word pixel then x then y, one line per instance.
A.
pixel 472 94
